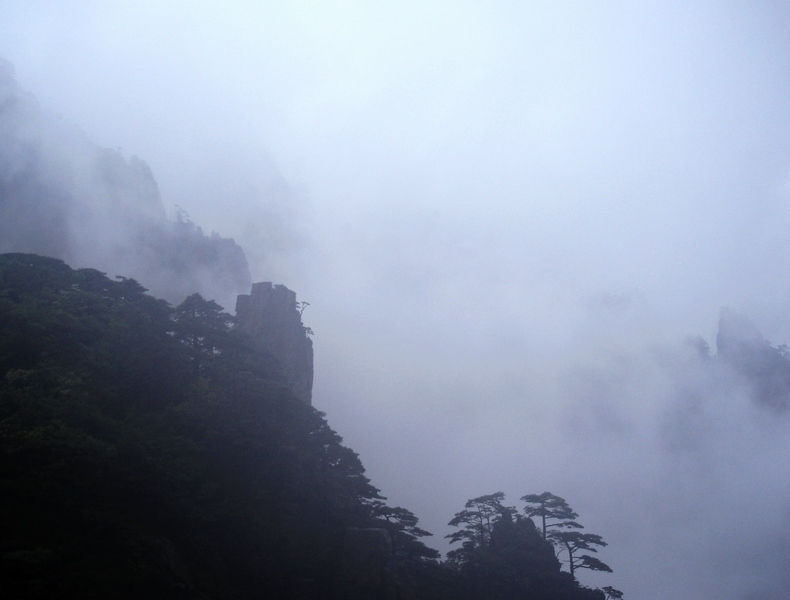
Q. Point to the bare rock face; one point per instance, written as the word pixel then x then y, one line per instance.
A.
pixel 271 315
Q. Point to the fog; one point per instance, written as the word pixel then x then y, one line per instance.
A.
pixel 511 222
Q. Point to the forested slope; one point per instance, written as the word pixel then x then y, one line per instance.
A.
pixel 148 451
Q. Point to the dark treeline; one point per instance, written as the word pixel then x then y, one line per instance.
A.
pixel 504 556
pixel 150 451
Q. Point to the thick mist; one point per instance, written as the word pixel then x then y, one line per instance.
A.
pixel 63 196
pixel 544 244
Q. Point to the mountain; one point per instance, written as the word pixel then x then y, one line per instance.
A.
pixel 154 452
pixel 765 368
pixel 63 196
pixel 151 451
pixel 154 446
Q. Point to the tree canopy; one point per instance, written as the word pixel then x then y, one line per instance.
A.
pixel 404 532
pixel 547 506
pixel 154 451
pixel 573 542
pixel 477 521
pixel 502 554
pixel 151 451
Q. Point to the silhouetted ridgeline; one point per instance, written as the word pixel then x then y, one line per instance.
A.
pixel 154 452
pixel 148 451
pixel 63 196
pixel 151 451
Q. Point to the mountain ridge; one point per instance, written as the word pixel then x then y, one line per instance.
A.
pixel 63 196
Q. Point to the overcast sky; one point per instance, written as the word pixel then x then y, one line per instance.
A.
pixel 506 218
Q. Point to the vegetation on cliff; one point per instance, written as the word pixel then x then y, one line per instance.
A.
pixel 151 451
pixel 147 451
pixel 503 555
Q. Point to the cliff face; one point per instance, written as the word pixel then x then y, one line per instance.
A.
pixel 63 196
pixel 270 315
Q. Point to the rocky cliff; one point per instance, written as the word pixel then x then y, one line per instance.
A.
pixel 63 196
pixel 271 315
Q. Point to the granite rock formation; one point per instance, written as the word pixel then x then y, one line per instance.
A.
pixel 271 316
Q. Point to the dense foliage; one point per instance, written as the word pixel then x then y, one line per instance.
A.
pixel 503 556
pixel 151 452
pixel 148 451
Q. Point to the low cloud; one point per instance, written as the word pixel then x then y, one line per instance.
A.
pixel 63 196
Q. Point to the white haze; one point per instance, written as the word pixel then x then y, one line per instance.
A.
pixel 506 218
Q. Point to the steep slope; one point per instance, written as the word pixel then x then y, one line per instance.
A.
pixel 154 452
pixel 63 196
pixel 271 317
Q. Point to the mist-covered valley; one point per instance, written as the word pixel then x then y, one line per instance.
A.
pixel 543 245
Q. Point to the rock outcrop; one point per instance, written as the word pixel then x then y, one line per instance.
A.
pixel 766 368
pixel 271 316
